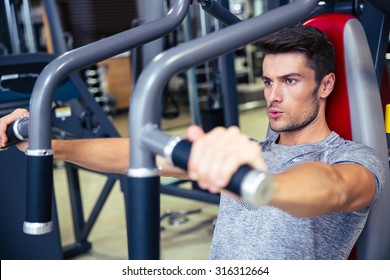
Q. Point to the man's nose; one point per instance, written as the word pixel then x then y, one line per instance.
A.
pixel 273 93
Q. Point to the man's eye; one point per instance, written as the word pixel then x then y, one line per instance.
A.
pixel 290 81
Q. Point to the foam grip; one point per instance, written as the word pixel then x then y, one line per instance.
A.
pixel 17 132
pixel 180 156
pixel 39 189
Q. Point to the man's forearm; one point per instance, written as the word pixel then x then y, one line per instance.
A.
pixel 109 155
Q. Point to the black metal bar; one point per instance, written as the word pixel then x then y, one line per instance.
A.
pixel 229 90
pixel 219 11
pixel 198 195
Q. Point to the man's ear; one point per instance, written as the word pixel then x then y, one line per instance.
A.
pixel 327 85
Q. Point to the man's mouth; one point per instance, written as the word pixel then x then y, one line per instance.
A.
pixel 274 114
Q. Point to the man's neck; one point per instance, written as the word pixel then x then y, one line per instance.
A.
pixel 309 134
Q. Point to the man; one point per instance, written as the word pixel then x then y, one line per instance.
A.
pixel 323 185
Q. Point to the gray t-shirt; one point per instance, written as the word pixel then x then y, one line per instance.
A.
pixel 245 232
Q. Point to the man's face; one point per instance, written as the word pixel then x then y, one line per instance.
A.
pixel 290 91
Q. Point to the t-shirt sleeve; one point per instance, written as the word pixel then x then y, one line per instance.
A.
pixel 365 156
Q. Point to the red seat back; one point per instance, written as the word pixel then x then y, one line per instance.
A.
pixel 337 108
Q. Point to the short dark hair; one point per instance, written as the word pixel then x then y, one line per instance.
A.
pixel 308 40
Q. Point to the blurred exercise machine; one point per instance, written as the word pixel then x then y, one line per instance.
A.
pixel 76 114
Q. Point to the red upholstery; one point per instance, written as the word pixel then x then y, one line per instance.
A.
pixel 337 108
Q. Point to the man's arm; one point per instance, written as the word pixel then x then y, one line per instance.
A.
pixel 109 155
pixel 316 188
pixel 100 154
pixel 307 190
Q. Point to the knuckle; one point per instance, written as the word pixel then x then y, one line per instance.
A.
pixel 217 130
pixel 233 130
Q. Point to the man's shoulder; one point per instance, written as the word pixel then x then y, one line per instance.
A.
pixel 340 145
pixel 346 151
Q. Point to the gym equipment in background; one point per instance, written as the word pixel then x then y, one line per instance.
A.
pixel 90 124
pixel 143 238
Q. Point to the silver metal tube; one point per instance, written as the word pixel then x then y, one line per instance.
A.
pixel 28 32
pixel 56 30
pixel 11 21
pixel 192 85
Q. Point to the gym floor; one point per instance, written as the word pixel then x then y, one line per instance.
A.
pixel 187 238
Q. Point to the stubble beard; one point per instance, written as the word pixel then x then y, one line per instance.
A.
pixel 298 123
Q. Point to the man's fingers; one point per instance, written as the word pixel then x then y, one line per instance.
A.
pixel 194 132
pixel 217 155
pixel 7 120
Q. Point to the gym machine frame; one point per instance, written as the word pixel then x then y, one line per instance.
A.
pixel 147 140
pixel 143 190
pixel 39 153
pixel 142 195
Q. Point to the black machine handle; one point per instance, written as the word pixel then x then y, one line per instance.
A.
pixel 180 156
pixel 251 185
pixel 17 132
